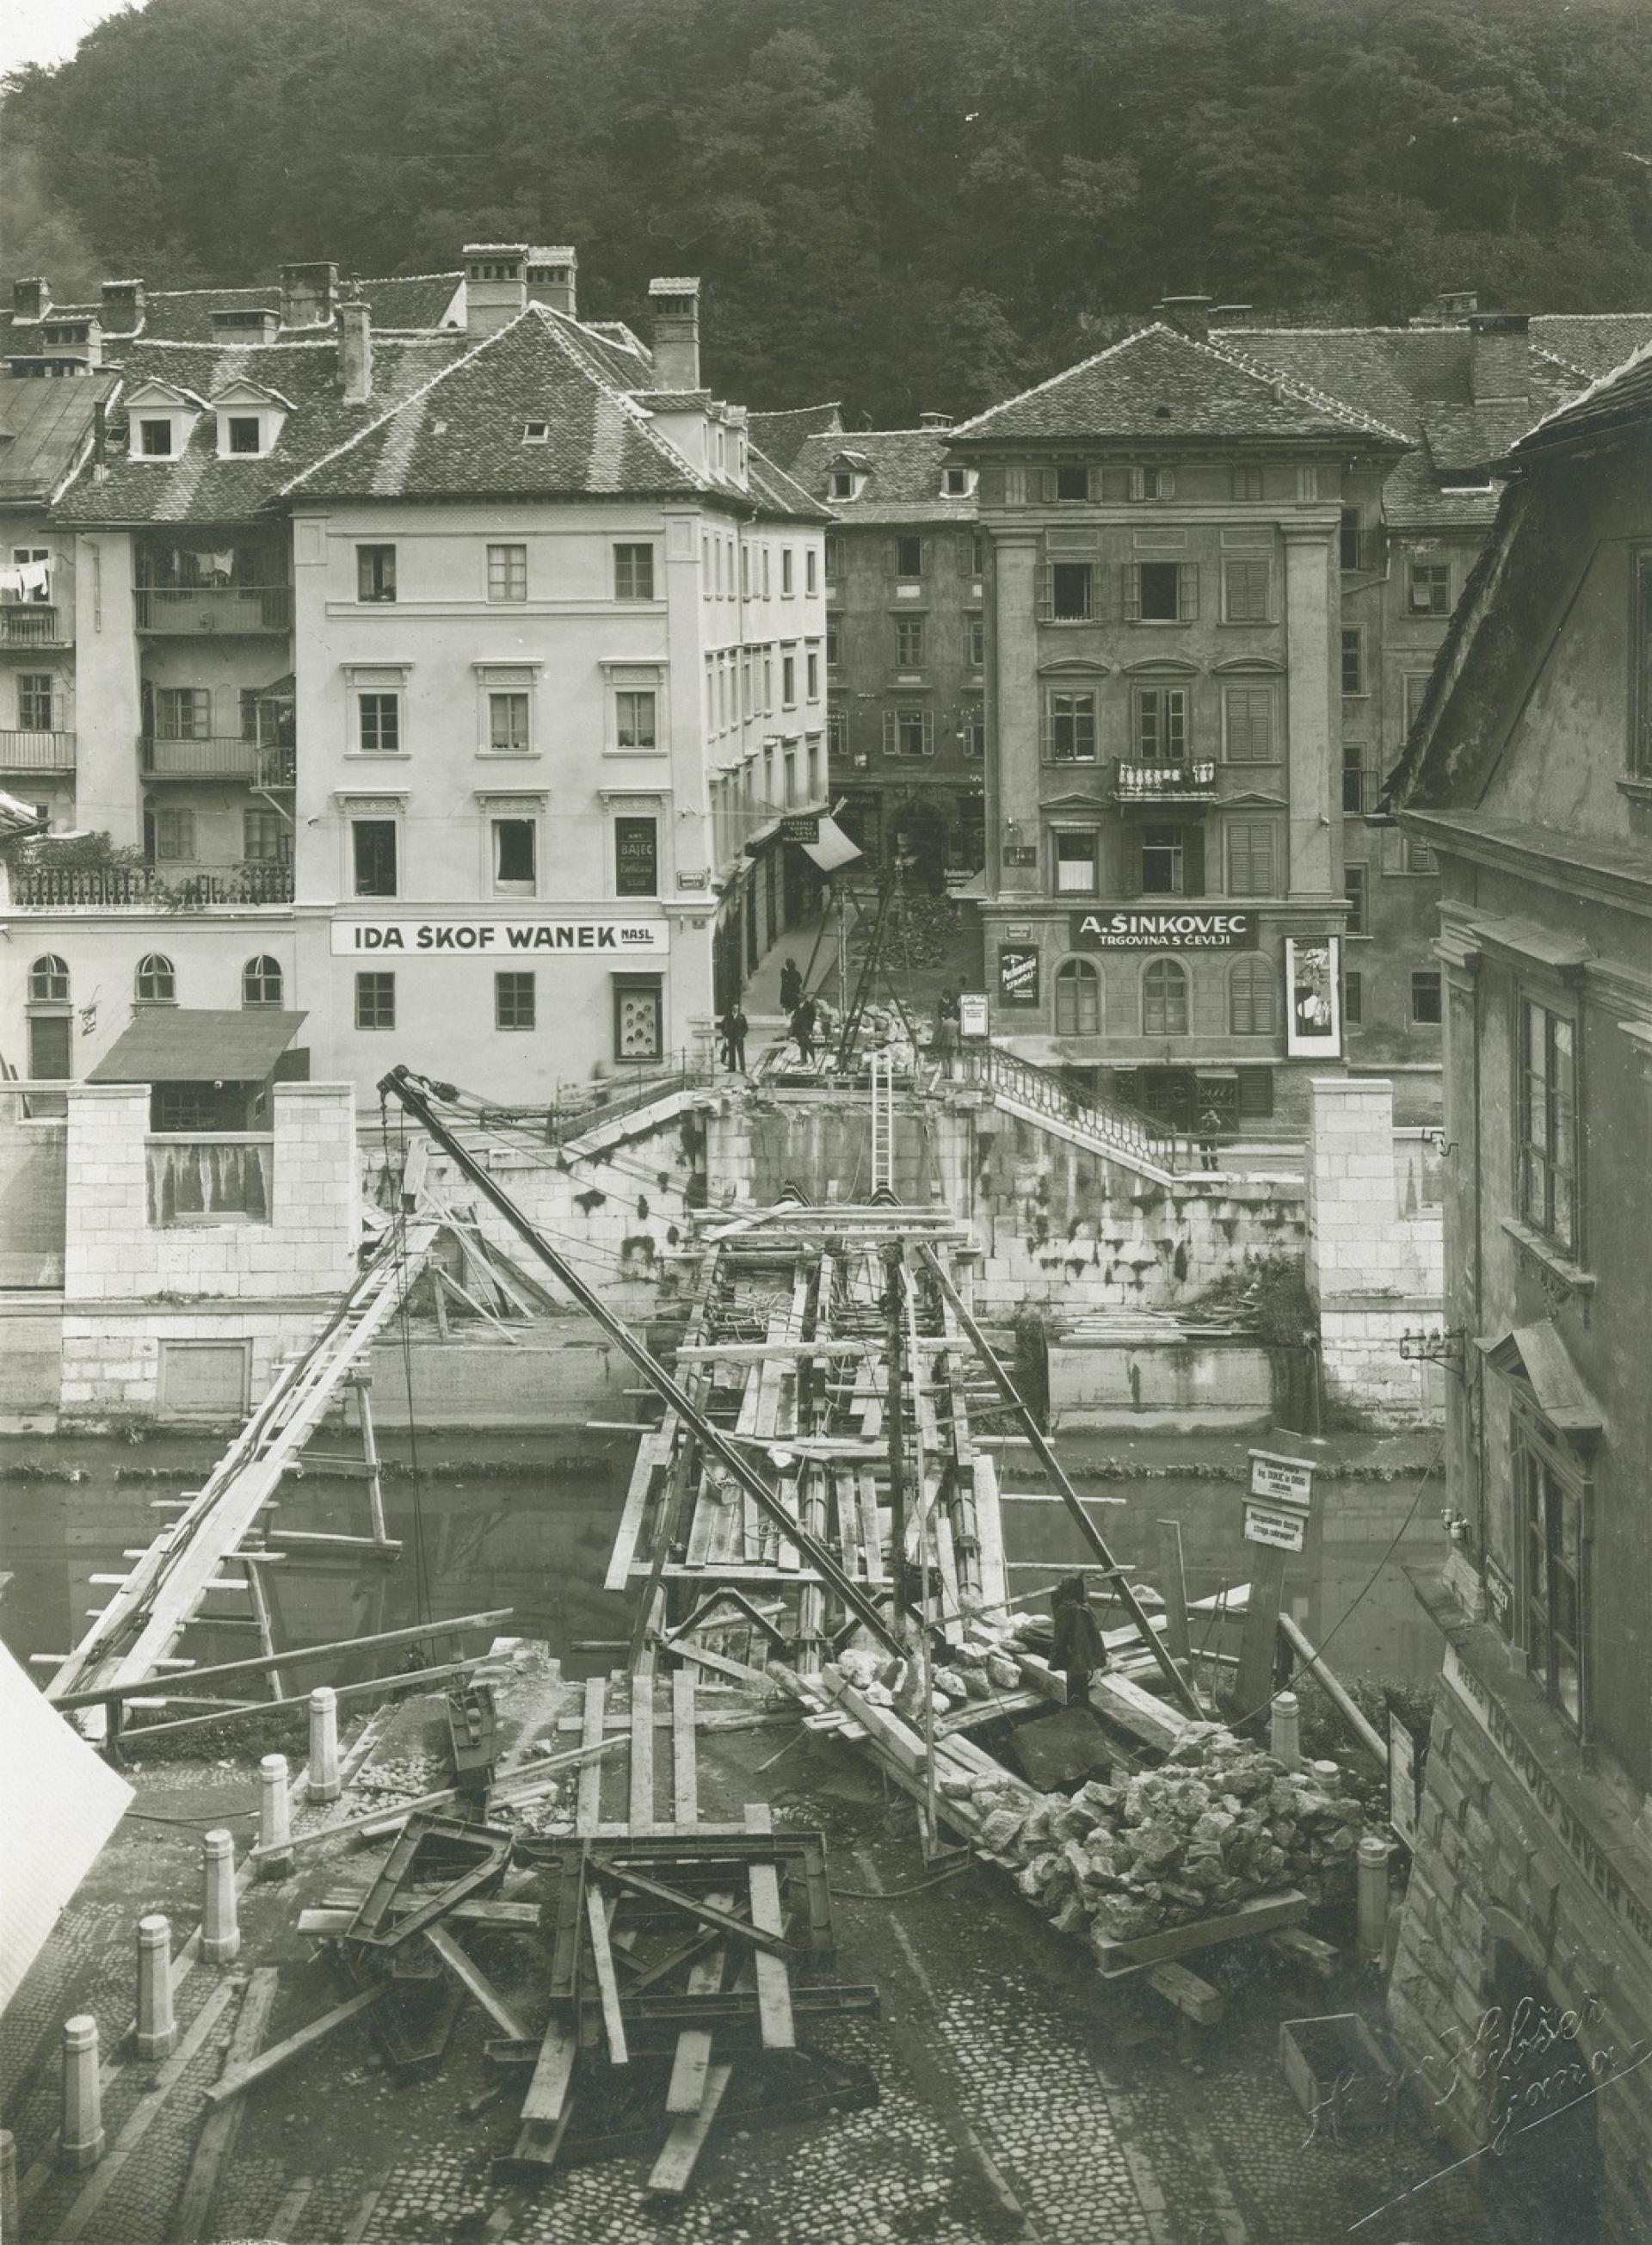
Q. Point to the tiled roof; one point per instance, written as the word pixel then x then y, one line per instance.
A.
pixel 782 434
pixel 461 432
pixel 1595 342
pixel 773 491
pixel 1414 498
pixel 1160 384
pixel 903 471
pixel 185 1044
pixel 45 427
pixel 1621 399
pixel 1463 436
pixel 185 316
pixel 196 486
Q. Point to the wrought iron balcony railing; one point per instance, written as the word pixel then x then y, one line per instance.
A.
pixel 1185 782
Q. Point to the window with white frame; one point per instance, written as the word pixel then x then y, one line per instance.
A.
pixel 507 572
pixel 509 723
pixel 157 980
pixel 1159 727
pixel 376 573
pixel 376 1000
pixel 170 835
pixel 1162 591
pixel 1072 726
pixel 636 728
pixel 261 982
pixel 633 571
pixel 909 642
pixel 1077 861
pixel 155 438
pixel 378 721
pixel 811 569
pixel 909 732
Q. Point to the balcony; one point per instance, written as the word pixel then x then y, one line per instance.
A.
pixel 222 1179
pixel 186 611
pixel 202 756
pixel 1165 782
pixel 275 770
pixel 36 752
pixel 32 623
pixel 68 888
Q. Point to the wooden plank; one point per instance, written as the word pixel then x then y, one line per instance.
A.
pixel 671 2173
pixel 1259 1645
pixel 1174 1583
pixel 693 2062
pixel 652 1451
pixel 684 1760
pixel 470 1975
pixel 777 2025
pixel 1195 1999
pixel 1370 1739
pixel 596 1914
pixel 216 2144
pixel 282 2053
pixel 642 1753
pixel 1260 1915
pixel 589 1805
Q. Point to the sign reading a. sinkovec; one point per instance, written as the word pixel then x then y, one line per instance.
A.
pixel 1163 928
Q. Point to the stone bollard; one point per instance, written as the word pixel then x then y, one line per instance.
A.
pixel 323 1755
pixel 157 2027
pixel 1371 1877
pixel 221 1938
pixel 1285 1741
pixel 9 2226
pixel 81 2142
pixel 275 1819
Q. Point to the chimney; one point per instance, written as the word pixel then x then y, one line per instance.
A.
pixel 355 351
pixel 1190 314
pixel 307 295
pixel 246 323
pixel 1230 315
pixel 81 339
pixel 552 274
pixel 934 420
pixel 496 285
pixel 123 307
pixel 31 299
pixel 1499 359
pixel 674 303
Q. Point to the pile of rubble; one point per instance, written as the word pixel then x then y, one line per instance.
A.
pixel 1218 1824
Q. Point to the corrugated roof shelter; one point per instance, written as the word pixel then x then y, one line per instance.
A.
pixel 198 1045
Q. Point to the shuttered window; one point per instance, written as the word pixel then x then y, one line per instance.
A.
pixel 1252 1009
pixel 1250 857
pixel 1248 712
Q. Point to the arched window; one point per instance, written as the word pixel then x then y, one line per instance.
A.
pixel 157 982
pixel 261 982
pixel 1251 1002
pixel 49 981
pixel 1164 999
pixel 1078 999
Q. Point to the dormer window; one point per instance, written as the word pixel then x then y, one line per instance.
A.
pixel 244 433
pixel 536 432
pixel 159 418
pixel 842 483
pixel 249 420
pixel 155 439
pixel 958 483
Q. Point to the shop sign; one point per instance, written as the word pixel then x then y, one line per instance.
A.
pixel 971 1012
pixel 1266 1523
pixel 614 938
pixel 1017 976
pixel 1021 853
pixel 1405 1779
pixel 637 856
pixel 1281 1480
pixel 1313 1025
pixel 1499 1596
pixel 805 828
pixel 1163 928
pixel 699 879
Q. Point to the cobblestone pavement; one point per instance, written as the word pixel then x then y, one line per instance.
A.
pixel 1018 2096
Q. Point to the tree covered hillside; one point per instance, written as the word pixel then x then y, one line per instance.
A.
pixel 905 203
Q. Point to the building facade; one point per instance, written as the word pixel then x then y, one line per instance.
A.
pixel 1166 900
pixel 1529 776
pixel 446 682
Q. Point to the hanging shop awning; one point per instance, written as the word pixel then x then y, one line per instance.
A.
pixel 1537 1357
pixel 198 1045
pixel 834 847
pixel 787 826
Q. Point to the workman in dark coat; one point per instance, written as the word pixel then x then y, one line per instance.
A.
pixel 791 987
pixel 1078 1650
pixel 803 1029
pixel 733 1026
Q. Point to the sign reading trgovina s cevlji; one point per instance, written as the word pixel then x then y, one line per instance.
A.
pixel 398 938
pixel 1158 927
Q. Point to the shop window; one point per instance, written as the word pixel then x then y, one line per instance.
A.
pixel 49 981
pixel 1252 997
pixel 1076 854
pixel 261 982
pixel 376 1000
pixel 1164 999
pixel 1548 1125
pixel 1078 999
pixel 639 1018
pixel 513 1002
pixel 1248 483
pixel 1554 1586
pixel 157 980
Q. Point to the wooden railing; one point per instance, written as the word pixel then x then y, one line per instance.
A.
pixel 224 1177
pixel 200 756
pixel 190 609
pixel 1112 1125
pixel 28 752
pixel 32 623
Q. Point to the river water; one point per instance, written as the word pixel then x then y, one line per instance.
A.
pixel 527 1521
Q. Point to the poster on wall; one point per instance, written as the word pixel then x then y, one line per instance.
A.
pixel 971 1012
pixel 1018 975
pixel 1313 1028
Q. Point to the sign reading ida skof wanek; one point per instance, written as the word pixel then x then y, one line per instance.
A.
pixel 1163 928
pixel 501 939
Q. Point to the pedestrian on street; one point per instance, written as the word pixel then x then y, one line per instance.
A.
pixel 791 988
pixel 1078 1651
pixel 1209 1125
pixel 803 1029
pixel 733 1026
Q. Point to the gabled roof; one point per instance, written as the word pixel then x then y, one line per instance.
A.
pixel 1594 342
pixel 196 486
pixel 49 427
pixel 782 434
pixel 185 316
pixel 773 491
pixel 1402 376
pixel 460 432
pixel 902 470
pixel 1160 385
pixel 1415 498
pixel 1623 396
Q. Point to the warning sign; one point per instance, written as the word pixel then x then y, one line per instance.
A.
pixel 1281 1480
pixel 1265 1524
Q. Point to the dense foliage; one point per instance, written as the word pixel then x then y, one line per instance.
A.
pixel 906 203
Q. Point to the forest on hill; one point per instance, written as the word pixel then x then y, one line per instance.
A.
pixel 901 203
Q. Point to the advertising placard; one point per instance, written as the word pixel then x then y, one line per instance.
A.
pixel 971 1012
pixel 1163 928
pixel 498 938
pixel 1313 1025
pixel 1282 1480
pixel 1018 975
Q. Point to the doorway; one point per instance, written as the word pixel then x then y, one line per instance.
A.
pixel 1544 2116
